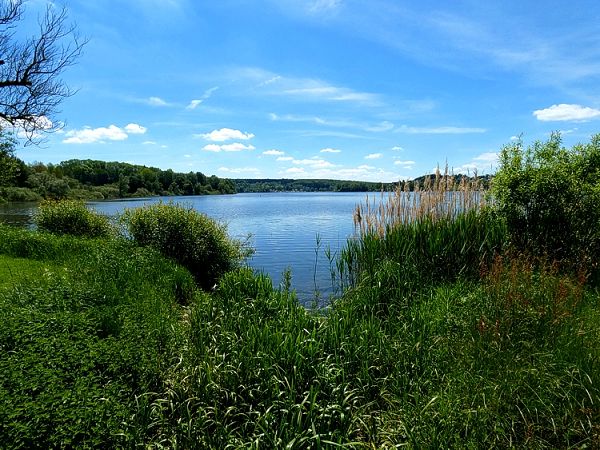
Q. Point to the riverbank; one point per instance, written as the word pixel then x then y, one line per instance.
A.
pixel 444 333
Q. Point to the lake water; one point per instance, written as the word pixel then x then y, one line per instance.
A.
pixel 283 229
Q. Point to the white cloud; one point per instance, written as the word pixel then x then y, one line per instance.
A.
pixel 374 156
pixel 194 104
pixel 320 91
pixel 383 126
pixel 360 173
pixel 238 170
pixel 304 88
pixel 91 135
pixel 330 150
pixel 490 157
pixel 438 130
pixel 397 148
pixel 483 163
pixel 134 128
pixel 31 129
pixel 225 134
pixel 273 152
pixel 566 112
pixel 313 163
pixel 295 170
pixel 407 164
pixel 156 101
pixel 285 158
pixel 233 147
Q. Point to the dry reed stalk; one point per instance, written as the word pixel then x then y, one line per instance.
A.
pixel 440 197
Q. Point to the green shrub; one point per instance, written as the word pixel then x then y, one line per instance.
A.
pixel 194 240
pixel 549 196
pixel 71 217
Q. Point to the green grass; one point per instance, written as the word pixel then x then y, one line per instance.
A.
pixel 105 344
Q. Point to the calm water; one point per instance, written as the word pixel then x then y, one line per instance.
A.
pixel 283 228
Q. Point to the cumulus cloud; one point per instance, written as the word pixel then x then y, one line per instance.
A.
pixel 313 163
pixel 330 150
pixel 273 152
pixel 233 147
pixel 226 134
pixel 89 135
pixel 566 112
pixel 285 158
pixel 407 164
pixel 374 156
pixel 31 129
pixel 134 128
pixel 397 148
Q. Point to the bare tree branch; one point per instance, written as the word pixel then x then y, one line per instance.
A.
pixel 31 89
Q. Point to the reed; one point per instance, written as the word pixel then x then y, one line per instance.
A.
pixel 440 197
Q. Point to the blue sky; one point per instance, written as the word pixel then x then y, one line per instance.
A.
pixel 346 89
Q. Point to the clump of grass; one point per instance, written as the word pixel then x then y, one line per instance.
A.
pixel 440 197
pixel 72 217
pixel 189 237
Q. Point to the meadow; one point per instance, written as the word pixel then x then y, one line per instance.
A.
pixel 461 321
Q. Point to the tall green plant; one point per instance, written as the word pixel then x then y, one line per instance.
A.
pixel 72 217
pixel 193 239
pixel 549 196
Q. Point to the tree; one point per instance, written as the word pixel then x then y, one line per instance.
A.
pixel 549 196
pixel 9 164
pixel 31 89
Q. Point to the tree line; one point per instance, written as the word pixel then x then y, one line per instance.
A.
pixel 97 180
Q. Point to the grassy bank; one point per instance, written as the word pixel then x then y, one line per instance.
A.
pixel 444 335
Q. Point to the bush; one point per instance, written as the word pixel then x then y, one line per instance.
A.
pixel 549 197
pixel 192 239
pixel 71 217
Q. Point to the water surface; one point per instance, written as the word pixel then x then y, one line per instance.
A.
pixel 284 229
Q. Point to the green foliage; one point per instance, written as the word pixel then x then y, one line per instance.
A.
pixel 9 164
pixel 86 333
pixel 425 251
pixel 72 217
pixel 549 196
pixel 19 194
pixel 191 238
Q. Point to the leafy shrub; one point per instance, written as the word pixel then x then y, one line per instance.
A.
pixel 194 240
pixel 71 217
pixel 549 196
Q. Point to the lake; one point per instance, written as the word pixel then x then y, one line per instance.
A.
pixel 283 229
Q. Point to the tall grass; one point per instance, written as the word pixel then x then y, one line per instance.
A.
pixel 440 197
